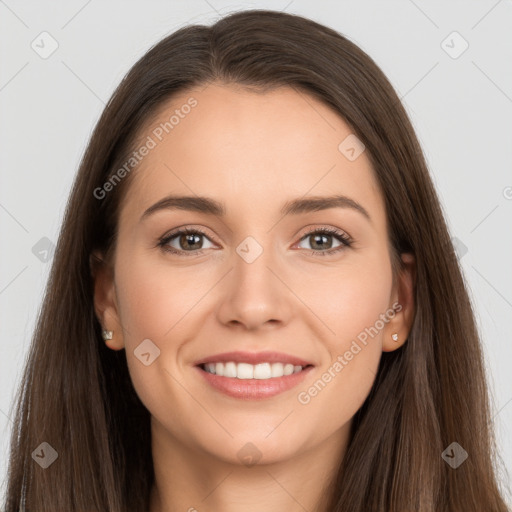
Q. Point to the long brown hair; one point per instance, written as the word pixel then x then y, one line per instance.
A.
pixel 76 394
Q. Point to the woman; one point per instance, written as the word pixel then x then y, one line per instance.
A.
pixel 198 348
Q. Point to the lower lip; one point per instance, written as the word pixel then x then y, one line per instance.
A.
pixel 254 389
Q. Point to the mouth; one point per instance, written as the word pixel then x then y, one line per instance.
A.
pixel 246 371
pixel 253 376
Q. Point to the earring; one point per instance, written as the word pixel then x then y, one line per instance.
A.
pixel 107 335
pixel 395 336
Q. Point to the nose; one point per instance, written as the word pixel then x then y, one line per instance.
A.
pixel 254 294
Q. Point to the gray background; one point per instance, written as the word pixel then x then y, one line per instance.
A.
pixel 460 105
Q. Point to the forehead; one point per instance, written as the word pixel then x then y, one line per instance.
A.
pixel 247 149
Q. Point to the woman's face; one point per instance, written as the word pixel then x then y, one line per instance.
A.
pixel 259 277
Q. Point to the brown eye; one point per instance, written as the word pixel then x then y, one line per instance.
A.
pixel 183 241
pixel 190 241
pixel 321 242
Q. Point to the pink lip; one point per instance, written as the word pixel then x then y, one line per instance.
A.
pixel 254 358
pixel 253 389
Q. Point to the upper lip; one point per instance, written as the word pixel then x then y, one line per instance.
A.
pixel 254 358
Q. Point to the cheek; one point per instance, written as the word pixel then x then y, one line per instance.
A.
pixel 354 313
pixel 338 391
pixel 154 298
pixel 160 303
pixel 346 299
pixel 153 302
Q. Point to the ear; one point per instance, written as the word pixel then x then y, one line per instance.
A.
pixel 403 300
pixel 105 302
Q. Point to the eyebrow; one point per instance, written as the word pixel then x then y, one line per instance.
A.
pixel 210 206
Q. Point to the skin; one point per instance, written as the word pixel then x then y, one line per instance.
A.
pixel 253 152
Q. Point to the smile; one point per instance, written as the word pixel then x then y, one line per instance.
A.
pixel 260 371
pixel 252 382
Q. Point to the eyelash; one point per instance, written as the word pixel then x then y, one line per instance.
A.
pixel 345 240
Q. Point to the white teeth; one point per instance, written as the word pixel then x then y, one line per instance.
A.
pixel 260 371
pixel 243 371
pixel 288 369
pixel 230 370
pixel 277 370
